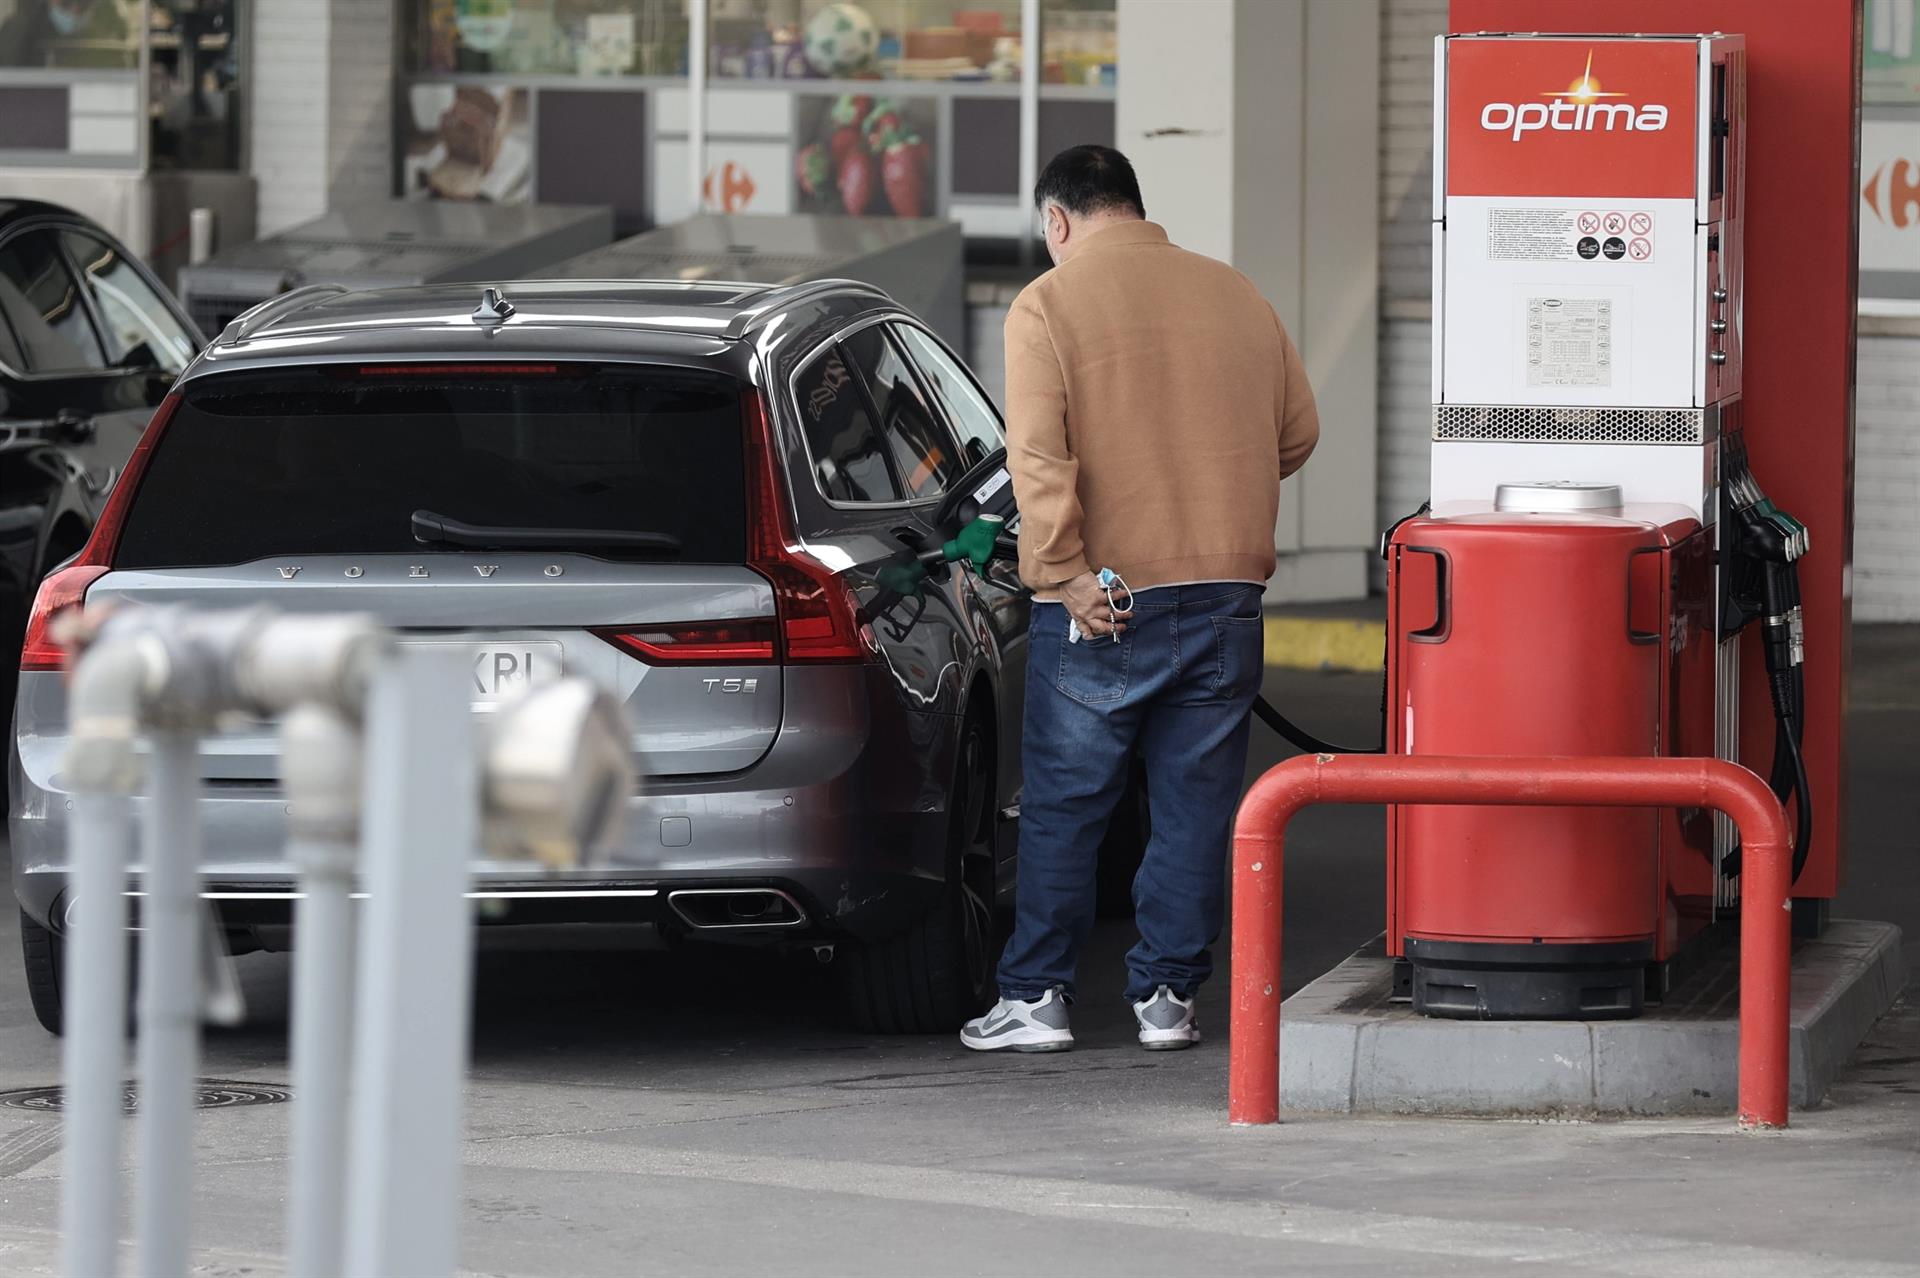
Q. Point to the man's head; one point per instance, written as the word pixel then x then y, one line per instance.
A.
pixel 1082 190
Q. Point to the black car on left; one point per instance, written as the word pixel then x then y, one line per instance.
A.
pixel 90 342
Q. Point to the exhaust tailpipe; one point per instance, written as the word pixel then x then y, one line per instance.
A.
pixel 736 909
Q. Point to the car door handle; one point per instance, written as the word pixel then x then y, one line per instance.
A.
pixel 73 427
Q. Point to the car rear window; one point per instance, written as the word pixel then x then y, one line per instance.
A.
pixel 321 461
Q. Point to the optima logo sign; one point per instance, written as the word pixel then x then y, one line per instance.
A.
pixel 1579 108
pixel 1579 119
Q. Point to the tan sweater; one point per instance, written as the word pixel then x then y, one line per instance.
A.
pixel 1154 403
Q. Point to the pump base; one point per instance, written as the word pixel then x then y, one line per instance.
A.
pixel 1348 1046
pixel 1486 981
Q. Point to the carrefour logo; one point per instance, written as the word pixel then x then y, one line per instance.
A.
pixel 1576 109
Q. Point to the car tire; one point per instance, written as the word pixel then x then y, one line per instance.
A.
pixel 44 953
pixel 932 977
pixel 1123 848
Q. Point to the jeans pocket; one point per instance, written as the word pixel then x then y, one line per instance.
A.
pixel 1094 671
pixel 1240 644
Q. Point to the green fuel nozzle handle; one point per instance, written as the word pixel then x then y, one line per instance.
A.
pixel 975 542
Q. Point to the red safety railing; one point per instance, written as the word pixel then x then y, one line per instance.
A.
pixel 1253 1092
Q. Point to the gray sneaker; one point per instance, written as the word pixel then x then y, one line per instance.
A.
pixel 1016 1025
pixel 1166 1021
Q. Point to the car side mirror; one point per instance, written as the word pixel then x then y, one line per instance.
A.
pixel 985 488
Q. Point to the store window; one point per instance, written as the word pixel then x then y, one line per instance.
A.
pixel 870 108
pixel 195 84
pixel 547 37
pixel 90 34
pixel 955 41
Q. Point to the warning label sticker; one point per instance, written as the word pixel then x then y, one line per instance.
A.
pixel 1531 235
pixel 1569 341
pixel 1566 235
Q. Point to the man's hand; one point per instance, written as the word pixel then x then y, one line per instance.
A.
pixel 1087 604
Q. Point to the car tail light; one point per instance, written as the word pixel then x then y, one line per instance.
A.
pixel 67 587
pixel 62 589
pixel 699 643
pixel 819 620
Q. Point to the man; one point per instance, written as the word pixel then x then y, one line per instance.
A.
pixel 1154 404
pixel 42 33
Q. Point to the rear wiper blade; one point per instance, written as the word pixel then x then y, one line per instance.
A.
pixel 430 529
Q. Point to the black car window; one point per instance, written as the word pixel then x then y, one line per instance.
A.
pixel 969 412
pixel 923 455
pixel 318 461
pixel 139 330
pixel 848 458
pixel 44 308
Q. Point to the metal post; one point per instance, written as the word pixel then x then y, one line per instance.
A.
pixel 1253 1089
pixel 168 1047
pixel 320 761
pixel 1030 56
pixel 696 104
pixel 411 1024
pixel 93 1002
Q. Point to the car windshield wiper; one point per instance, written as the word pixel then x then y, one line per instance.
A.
pixel 431 529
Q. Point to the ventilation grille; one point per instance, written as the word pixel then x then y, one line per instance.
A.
pixel 1531 425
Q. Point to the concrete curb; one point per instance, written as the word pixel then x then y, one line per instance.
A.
pixel 1325 643
pixel 1347 1050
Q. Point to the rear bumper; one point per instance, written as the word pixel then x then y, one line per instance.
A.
pixel 846 813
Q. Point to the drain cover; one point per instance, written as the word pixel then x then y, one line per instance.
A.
pixel 209 1093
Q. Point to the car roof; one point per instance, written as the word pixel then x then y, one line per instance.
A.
pixel 576 319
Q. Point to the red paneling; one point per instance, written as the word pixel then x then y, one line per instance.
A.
pixel 1803 93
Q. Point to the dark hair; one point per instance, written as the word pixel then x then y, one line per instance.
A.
pixel 1089 179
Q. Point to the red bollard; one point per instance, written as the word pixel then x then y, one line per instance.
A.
pixel 1253 1090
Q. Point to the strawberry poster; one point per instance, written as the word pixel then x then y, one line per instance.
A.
pixel 868 155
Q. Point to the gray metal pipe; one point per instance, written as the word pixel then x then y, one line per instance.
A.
pixel 93 1005
pixel 168 1048
pixel 321 767
pixel 104 771
pixel 416 949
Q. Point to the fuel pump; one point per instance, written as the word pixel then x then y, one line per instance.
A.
pixel 1597 542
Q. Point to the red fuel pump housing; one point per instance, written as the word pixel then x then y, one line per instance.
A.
pixel 1567 632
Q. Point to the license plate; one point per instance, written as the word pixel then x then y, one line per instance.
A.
pixel 500 671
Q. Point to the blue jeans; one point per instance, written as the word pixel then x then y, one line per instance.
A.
pixel 1178 686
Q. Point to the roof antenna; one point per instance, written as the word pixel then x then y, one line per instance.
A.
pixel 493 309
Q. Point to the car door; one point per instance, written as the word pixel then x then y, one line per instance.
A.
pixel 880 458
pixel 145 342
pixel 82 386
pixel 995 596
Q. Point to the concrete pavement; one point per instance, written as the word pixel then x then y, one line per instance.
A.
pixel 691 1114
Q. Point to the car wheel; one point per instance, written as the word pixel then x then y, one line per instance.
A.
pixel 932 977
pixel 1123 848
pixel 44 953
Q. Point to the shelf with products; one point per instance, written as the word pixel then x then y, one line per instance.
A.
pixel 628 84
pixel 916 41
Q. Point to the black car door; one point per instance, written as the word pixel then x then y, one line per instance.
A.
pixel 879 460
pixel 145 344
pixel 996 597
pixel 97 345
